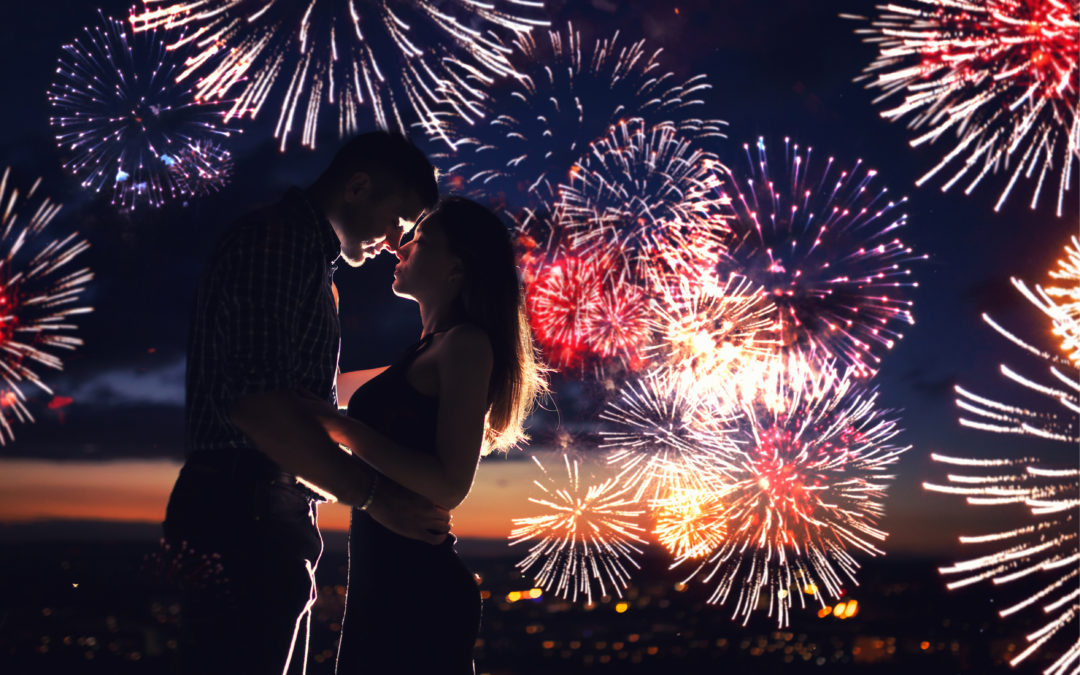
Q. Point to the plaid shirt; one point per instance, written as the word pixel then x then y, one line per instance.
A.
pixel 264 318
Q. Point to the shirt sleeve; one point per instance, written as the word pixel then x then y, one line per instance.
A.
pixel 263 282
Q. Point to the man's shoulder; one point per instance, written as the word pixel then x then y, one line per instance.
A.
pixel 274 225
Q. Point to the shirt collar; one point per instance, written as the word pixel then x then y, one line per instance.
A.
pixel 328 239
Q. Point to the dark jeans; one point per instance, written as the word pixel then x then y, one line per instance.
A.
pixel 254 619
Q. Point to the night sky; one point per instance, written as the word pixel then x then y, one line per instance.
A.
pixel 777 68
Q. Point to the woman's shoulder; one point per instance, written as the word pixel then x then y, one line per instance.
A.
pixel 466 342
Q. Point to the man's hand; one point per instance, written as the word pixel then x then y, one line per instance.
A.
pixel 408 514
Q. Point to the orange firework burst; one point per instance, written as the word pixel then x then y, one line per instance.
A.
pixel 589 534
pixel 714 333
pixel 689 522
pixel 1061 302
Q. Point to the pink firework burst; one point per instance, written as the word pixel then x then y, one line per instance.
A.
pixel 1000 76
pixel 803 489
pixel 822 242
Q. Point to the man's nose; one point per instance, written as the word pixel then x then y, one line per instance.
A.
pixel 392 242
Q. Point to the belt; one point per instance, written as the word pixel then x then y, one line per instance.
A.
pixel 247 463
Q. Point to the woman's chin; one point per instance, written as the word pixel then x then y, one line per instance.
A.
pixel 399 292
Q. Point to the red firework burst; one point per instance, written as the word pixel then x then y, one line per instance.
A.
pixel 583 310
pixel 1000 75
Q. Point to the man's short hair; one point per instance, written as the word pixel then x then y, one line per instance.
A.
pixel 393 162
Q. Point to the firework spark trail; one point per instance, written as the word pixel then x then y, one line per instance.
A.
pixel 822 242
pixel 662 435
pixel 689 523
pixel 804 486
pixel 202 168
pixel 649 193
pixel 1000 75
pixel 713 333
pixel 38 297
pixel 120 118
pixel 407 62
pixel 1046 549
pixel 567 95
pixel 1061 302
pixel 588 535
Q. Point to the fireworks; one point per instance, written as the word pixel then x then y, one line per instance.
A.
pixel 803 483
pixel 663 436
pixel 1062 302
pixel 562 299
pixel 404 62
pixel 201 168
pixel 38 298
pixel 690 523
pixel 567 95
pixel 1000 75
pixel 120 117
pixel 714 332
pixel 589 535
pixel 1047 548
pixel 648 193
pixel 181 567
pixel 821 241
pixel 583 311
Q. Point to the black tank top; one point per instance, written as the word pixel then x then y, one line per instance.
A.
pixel 396 409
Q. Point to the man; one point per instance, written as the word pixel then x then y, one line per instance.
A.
pixel 264 334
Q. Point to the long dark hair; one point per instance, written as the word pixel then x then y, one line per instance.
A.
pixel 491 297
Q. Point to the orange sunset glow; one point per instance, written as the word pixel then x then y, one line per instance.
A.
pixel 138 490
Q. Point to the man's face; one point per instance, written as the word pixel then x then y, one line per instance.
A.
pixel 373 223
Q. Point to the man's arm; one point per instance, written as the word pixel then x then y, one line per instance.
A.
pixel 282 429
pixel 291 439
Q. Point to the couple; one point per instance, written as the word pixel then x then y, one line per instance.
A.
pixel 264 402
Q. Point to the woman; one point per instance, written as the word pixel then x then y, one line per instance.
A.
pixel 463 390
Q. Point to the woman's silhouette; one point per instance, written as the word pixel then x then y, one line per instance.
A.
pixel 463 390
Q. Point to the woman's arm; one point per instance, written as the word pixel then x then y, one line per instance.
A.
pixel 464 366
pixel 348 383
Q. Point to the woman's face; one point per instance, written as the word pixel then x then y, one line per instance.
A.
pixel 427 270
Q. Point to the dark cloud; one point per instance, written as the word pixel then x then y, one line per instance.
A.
pixel 88 431
pixel 926 383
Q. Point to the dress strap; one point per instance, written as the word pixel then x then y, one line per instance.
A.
pixel 419 346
